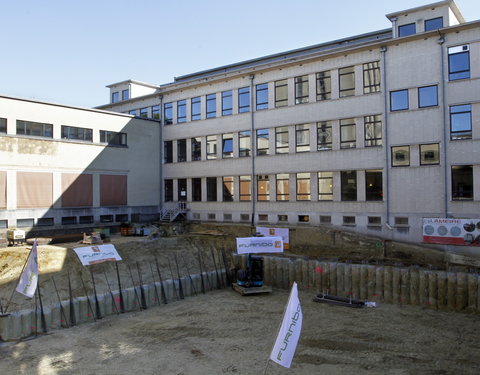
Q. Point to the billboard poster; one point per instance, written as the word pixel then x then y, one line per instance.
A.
pixel 255 245
pixel 446 231
pixel 272 232
pixel 89 255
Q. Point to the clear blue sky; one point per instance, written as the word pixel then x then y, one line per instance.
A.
pixel 66 51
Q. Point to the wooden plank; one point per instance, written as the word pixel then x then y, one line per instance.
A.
pixel 252 290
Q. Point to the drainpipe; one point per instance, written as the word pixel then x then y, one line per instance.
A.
pixel 161 154
pixel 253 148
pixel 394 26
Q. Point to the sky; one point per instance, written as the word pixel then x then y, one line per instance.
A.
pixel 67 51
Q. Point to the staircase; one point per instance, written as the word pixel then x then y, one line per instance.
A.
pixel 172 211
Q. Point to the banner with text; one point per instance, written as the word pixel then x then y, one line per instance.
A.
pixel 254 245
pixel 464 232
pixel 275 232
pixel 97 254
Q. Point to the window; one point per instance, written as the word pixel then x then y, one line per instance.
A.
pixel 182 189
pixel 262 217
pixel 283 186
pixel 121 218
pixel 262 96
pixel 85 219
pixel 405 30
pixel 227 217
pixel 348 136
pixel 262 142
pixel 24 223
pixel 132 112
pixel 263 188
pixel 371 77
pixel 115 97
pixel 211 189
pixel 244 99
pixel 347 81
pixel 181 111
pixel 281 140
pixel 211 147
pixel 281 93
pixel 325 186
pixel 303 218
pixel 69 220
pixel 113 138
pixel 348 220
pixel 324 135
pixel 427 96
pixel 156 112
pixel 125 94
pixel 144 112
pixel 37 129
pixel 462 182
pixel 301 89
pixel 168 113
pixel 434 24
pixel 459 62
pixel 211 105
pixel 324 86
pixel 168 151
pixel 401 221
pixel 429 154
pixel 303 186
pixel 196 148
pixel 398 100
pixel 81 134
pixel 302 138
pixel 45 222
pixel 211 216
pixel 245 188
pixel 460 122
pixel 181 150
pixel 196 109
pixel 227 146
pixel 373 130
pixel 228 189
pixel 244 143
pixel 227 103
pixel 325 219
pixel 3 125
pixel 374 221
pixel 349 185
pixel 196 189
pixel 400 156
pixel 282 218
pixel 106 218
pixel 374 185
pixel 244 217
pixel 168 190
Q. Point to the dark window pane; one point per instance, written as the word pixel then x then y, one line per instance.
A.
pixel 434 23
pixel 427 96
pixel 406 30
pixel 398 100
pixel 181 111
pixel 349 185
pixel 244 99
pixel 462 182
pixel 262 96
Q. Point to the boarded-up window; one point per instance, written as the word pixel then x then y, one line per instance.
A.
pixel 34 190
pixel 113 190
pixel 77 190
pixel 3 189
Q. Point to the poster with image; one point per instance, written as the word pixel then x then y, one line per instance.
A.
pixel 445 231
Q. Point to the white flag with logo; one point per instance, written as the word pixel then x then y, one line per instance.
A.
pixel 289 333
pixel 29 277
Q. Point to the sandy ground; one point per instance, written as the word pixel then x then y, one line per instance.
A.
pixel 222 332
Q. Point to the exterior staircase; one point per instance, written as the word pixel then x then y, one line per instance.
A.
pixel 172 211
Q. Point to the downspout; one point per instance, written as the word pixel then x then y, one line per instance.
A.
pixel 160 123
pixel 253 148
pixel 394 26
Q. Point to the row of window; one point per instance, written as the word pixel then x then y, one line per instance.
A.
pixel 66 220
pixel 152 112
pixel 429 154
pixel 116 95
pixel 346 87
pixel 428 25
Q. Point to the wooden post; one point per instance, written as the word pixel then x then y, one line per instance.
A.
pixel 442 287
pixel 462 290
pixel 472 292
pixel 340 269
pixel 347 279
pixel 332 274
pixel 379 283
pixel 451 290
pixel 396 279
pixel 422 287
pixel 414 286
pixel 432 290
pixel 363 281
pixel 387 284
pixel 370 282
pixel 404 285
pixel 355 281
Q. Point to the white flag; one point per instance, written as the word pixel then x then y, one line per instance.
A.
pixel 29 277
pixel 287 339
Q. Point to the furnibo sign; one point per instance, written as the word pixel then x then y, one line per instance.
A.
pixel 254 245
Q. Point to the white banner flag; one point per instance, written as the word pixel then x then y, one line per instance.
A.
pixel 287 339
pixel 29 277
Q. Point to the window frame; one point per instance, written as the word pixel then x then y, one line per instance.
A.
pixel 371 77
pixel 372 125
pixel 282 180
pixel 422 158
pixel 228 185
pixel 281 147
pixel 322 126
pixel 263 180
pixel 399 106
pixel 420 90
pixel 324 85
pixel 259 135
pixel 303 178
pixel 211 105
pixel 167 152
pixel 300 131
pixel 453 53
pixel 245 181
pixel 462 134
pixel 348 190
pixel 196 148
pixel 244 152
pixel 125 94
pixel 109 137
pixel 227 138
pixel 462 195
pixel 227 103
pixel 196 108
pixel 181 111
pixel 281 85
pixel 348 143
pixel 211 184
pixel 211 143
pixel 406 30
pixel 87 133
pixel 343 74
pixel 156 112
pixel 374 185
pixel 261 96
pixel 394 161
pixel 24 127
pixel 3 125
pixel 325 177
pixel 244 95
pixel 301 89
pixel 181 150
pixel 168 113
pixel 196 189
pixel 428 27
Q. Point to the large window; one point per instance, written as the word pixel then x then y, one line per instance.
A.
pixel 346 78
pixel 302 138
pixel 429 154
pixel 182 189
pixel 263 188
pixel 227 146
pixel 348 136
pixel 371 77
pixel 196 189
pixel 211 189
pixel 244 143
pixel 400 156
pixel 228 189
pixel 168 113
pixel 211 147
pixel 181 111
pixel 113 138
pixel 181 150
pixel 303 187
pixel 196 108
pixel 301 89
pixel 244 99
pixel 398 100
pixel 3 125
pixel 459 62
pixel 156 112
pixel 427 96
pixel 37 129
pixel 462 182
pixel 168 151
pixel 283 186
pixel 144 112
pixel 433 24
pixel 196 148
pixel 115 97
pixel 461 121
pixel 408 29
pixel 227 103
pixel 324 135
pixel 125 94
pixel 374 185
pixel 324 85
pixel 211 105
pixel 168 190
pixel 262 142
pixel 262 96
pixel 349 185
pixel 281 140
pixel 81 134
pixel 373 130
pixel 281 93
pixel 325 186
pixel 245 188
